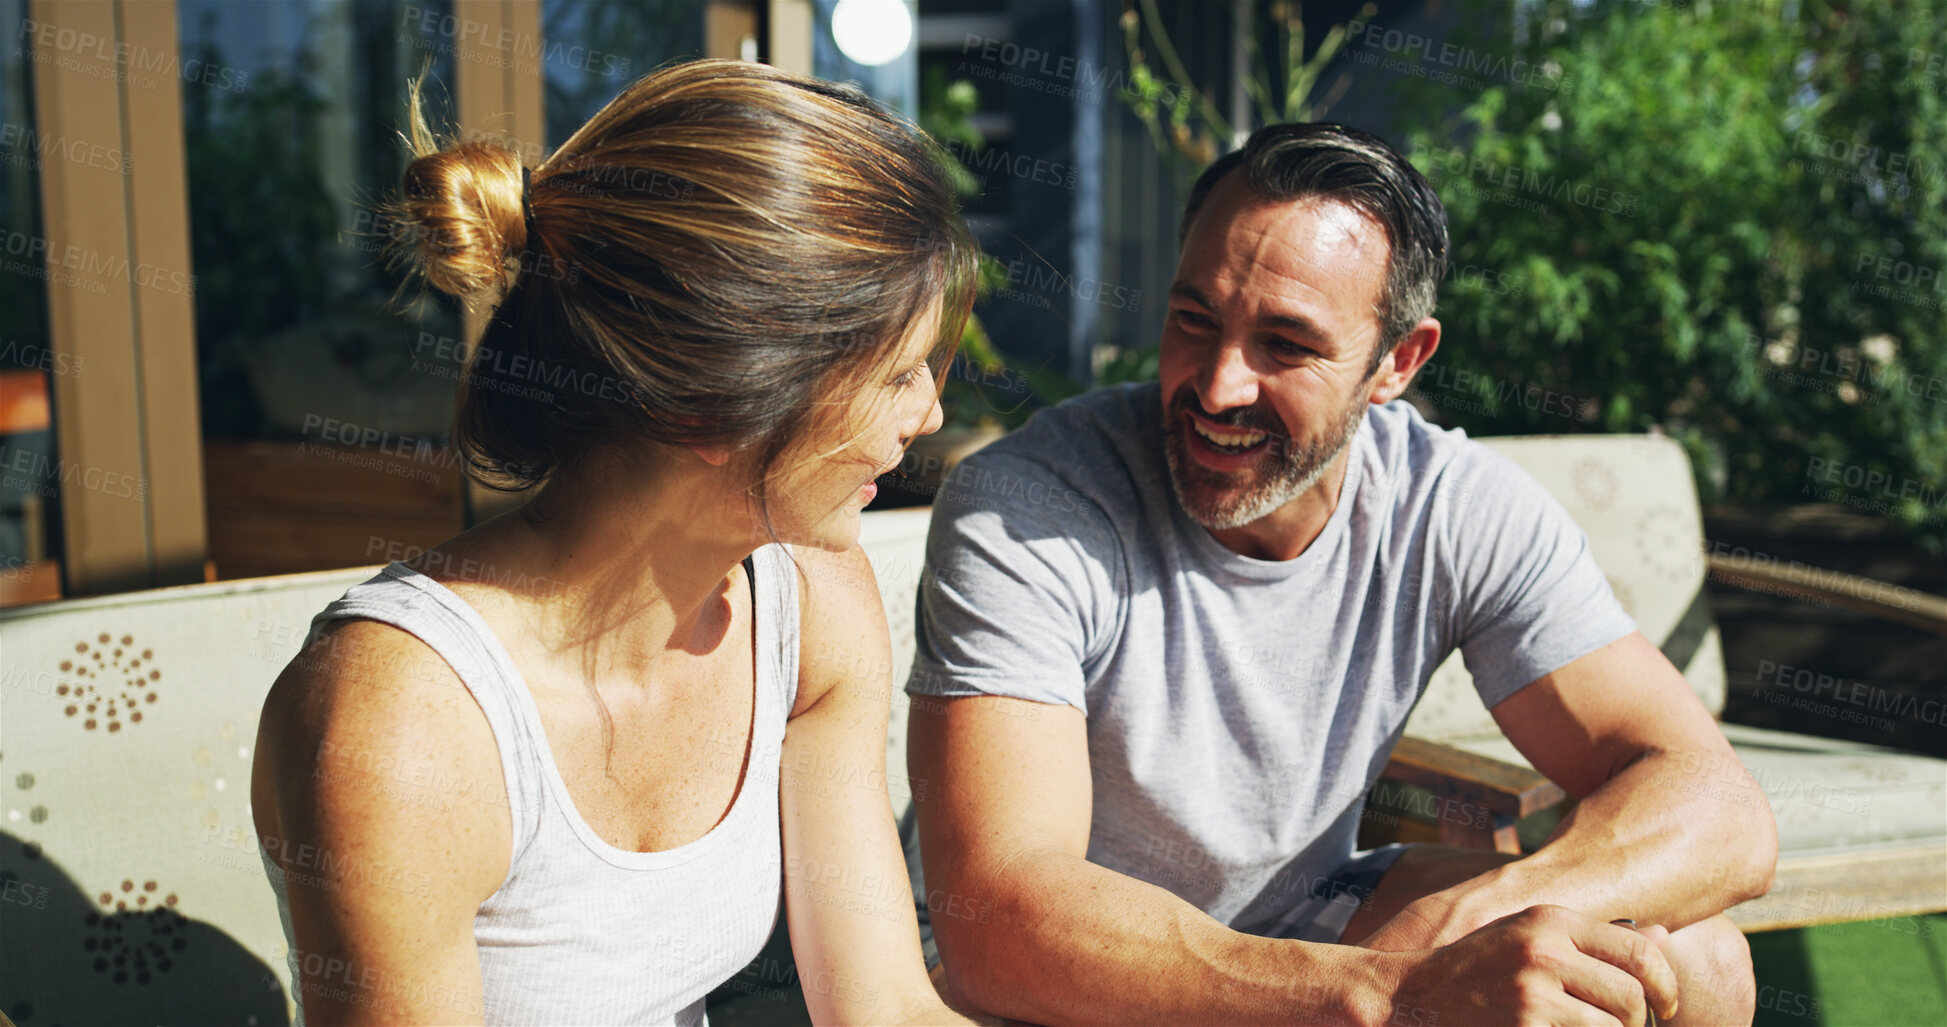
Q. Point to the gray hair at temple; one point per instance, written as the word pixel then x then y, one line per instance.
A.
pixel 1298 161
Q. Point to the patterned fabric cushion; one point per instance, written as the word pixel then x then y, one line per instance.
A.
pixel 895 542
pixel 1633 496
pixel 133 886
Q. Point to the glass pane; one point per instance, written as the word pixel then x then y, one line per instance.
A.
pixel 295 313
pixel 848 33
pixel 327 381
pixel 594 48
pixel 30 515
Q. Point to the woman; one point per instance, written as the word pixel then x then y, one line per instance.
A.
pixel 553 771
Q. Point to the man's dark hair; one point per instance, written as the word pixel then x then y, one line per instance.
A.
pixel 1293 162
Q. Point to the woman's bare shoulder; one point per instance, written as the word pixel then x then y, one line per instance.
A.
pixel 363 675
pixel 370 742
pixel 842 637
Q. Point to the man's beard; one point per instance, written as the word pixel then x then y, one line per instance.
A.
pixel 1212 499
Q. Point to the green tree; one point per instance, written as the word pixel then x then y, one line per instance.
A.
pixel 1726 222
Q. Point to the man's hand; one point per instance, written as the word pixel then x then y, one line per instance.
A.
pixel 1545 964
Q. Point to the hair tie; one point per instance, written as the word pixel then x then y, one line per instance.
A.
pixel 527 209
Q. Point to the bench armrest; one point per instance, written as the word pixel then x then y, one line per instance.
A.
pixel 1882 599
pixel 1504 791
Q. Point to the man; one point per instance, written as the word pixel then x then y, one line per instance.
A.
pixel 1173 630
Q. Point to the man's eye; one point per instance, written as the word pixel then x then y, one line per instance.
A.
pixel 1287 348
pixel 1191 317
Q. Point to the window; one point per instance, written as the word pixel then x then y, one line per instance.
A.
pixel 327 385
pixel 30 517
pixel 595 48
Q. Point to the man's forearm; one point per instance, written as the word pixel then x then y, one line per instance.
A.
pixel 1072 942
pixel 1672 839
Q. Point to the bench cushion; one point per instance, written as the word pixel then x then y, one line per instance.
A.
pixel 1828 796
pixel 1634 498
pixel 895 542
pixel 131 839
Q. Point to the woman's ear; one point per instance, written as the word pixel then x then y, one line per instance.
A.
pixel 715 456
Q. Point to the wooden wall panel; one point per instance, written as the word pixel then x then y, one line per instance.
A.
pixel 165 312
pixel 105 479
pixel 726 24
pixel 282 507
pixel 504 100
pixel 789 45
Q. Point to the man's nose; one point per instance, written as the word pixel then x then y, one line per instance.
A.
pixel 1227 381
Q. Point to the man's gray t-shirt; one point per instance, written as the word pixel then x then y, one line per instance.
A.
pixel 1238 708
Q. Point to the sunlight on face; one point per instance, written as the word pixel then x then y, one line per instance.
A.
pixel 1272 320
pixel 829 475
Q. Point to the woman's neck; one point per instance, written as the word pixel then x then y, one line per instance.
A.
pixel 623 564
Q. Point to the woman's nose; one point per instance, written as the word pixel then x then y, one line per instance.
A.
pixel 934 418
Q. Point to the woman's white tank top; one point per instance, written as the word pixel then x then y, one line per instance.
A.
pixel 582 932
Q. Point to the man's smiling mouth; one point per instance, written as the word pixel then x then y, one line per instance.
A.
pixel 1228 440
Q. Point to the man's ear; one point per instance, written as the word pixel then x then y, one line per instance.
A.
pixel 1406 359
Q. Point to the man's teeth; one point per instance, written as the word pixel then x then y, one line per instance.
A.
pixel 1232 440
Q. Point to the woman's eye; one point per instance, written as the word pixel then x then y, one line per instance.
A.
pixel 910 377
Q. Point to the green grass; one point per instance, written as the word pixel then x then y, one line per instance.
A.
pixel 1874 973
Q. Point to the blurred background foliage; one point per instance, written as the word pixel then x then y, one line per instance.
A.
pixel 1741 229
pixel 1184 121
pixel 1721 221
pixel 982 388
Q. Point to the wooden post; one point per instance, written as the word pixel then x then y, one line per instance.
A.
pixel 120 297
pixel 792 24
pixel 726 25
pixel 502 99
